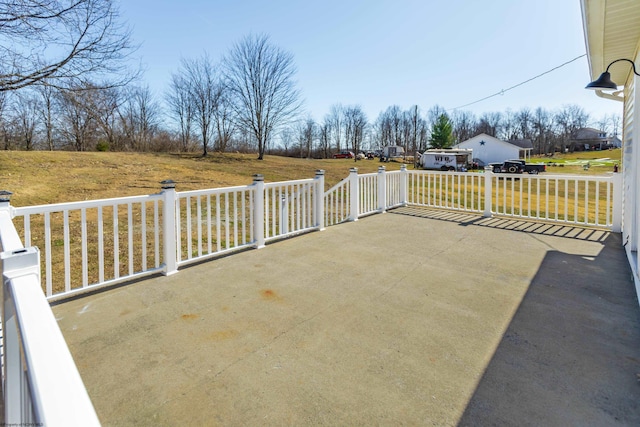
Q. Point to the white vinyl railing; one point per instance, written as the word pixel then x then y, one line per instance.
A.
pixel 593 201
pixel 291 207
pixel 40 382
pixel 337 203
pixel 213 222
pixel 125 232
pixel 450 190
pixel 569 199
pixel 107 241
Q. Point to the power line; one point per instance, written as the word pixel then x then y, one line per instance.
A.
pixel 519 84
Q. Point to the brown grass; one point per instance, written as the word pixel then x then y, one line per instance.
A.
pixel 53 177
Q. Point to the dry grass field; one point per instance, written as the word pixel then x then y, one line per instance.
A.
pixel 40 177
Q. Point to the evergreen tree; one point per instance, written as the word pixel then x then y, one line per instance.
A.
pixel 441 133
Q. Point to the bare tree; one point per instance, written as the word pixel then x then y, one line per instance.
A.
pixel 105 105
pixel 57 41
pixel 464 124
pixel 4 121
pixel 140 118
pixel 489 123
pixel 76 122
pixel 286 139
pixel 509 128
pixel 181 108
pixel 355 125
pixel 569 119
pixel 223 117
pixel 306 130
pixel 334 119
pixel 26 119
pixel 47 111
pixel 542 130
pixel 260 77
pixel 324 138
pixel 205 91
pixel 413 121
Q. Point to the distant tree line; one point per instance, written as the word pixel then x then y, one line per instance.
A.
pixel 75 92
pixel 416 131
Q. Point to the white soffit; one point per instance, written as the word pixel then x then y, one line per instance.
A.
pixel 612 31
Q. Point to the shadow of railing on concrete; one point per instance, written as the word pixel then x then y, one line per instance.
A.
pixel 535 227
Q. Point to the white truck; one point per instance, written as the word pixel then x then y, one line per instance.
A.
pixel 446 159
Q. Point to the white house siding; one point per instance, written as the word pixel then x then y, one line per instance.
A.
pixel 631 176
pixel 489 149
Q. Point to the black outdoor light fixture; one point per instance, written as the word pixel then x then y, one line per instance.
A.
pixel 604 81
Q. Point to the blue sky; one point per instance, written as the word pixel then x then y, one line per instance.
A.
pixel 387 52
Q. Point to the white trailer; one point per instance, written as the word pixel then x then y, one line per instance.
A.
pixel 392 151
pixel 446 159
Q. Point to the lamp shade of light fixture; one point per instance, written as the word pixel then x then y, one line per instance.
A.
pixel 604 82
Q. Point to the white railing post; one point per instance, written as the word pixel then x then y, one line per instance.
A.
pixel 354 195
pixel 382 189
pixel 616 220
pixel 258 210
pixel 488 192
pixel 319 199
pixel 404 180
pixel 169 232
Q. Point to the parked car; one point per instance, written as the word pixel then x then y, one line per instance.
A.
pixel 344 155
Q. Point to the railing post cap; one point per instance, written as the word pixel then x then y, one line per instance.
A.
pixel 5 196
pixel 403 167
pixel 258 177
pixel 168 184
pixel 353 170
pixel 381 168
pixel 319 172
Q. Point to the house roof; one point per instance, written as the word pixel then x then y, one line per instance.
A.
pixel 612 31
pixel 522 143
pixel 589 134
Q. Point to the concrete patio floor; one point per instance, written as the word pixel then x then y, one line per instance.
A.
pixel 413 317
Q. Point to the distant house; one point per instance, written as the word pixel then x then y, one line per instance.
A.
pixel 616 142
pixel 488 149
pixel 590 139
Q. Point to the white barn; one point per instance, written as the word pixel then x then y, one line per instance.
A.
pixel 488 149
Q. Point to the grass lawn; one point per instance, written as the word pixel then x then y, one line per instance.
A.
pixel 42 177
pixel 599 162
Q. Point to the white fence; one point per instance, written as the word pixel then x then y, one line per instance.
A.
pixel 102 242
pixel 40 382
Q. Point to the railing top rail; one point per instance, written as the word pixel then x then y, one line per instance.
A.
pixel 342 183
pixel 297 181
pixel 368 174
pixel 58 207
pixel 209 191
pixel 546 175
pixel 58 393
